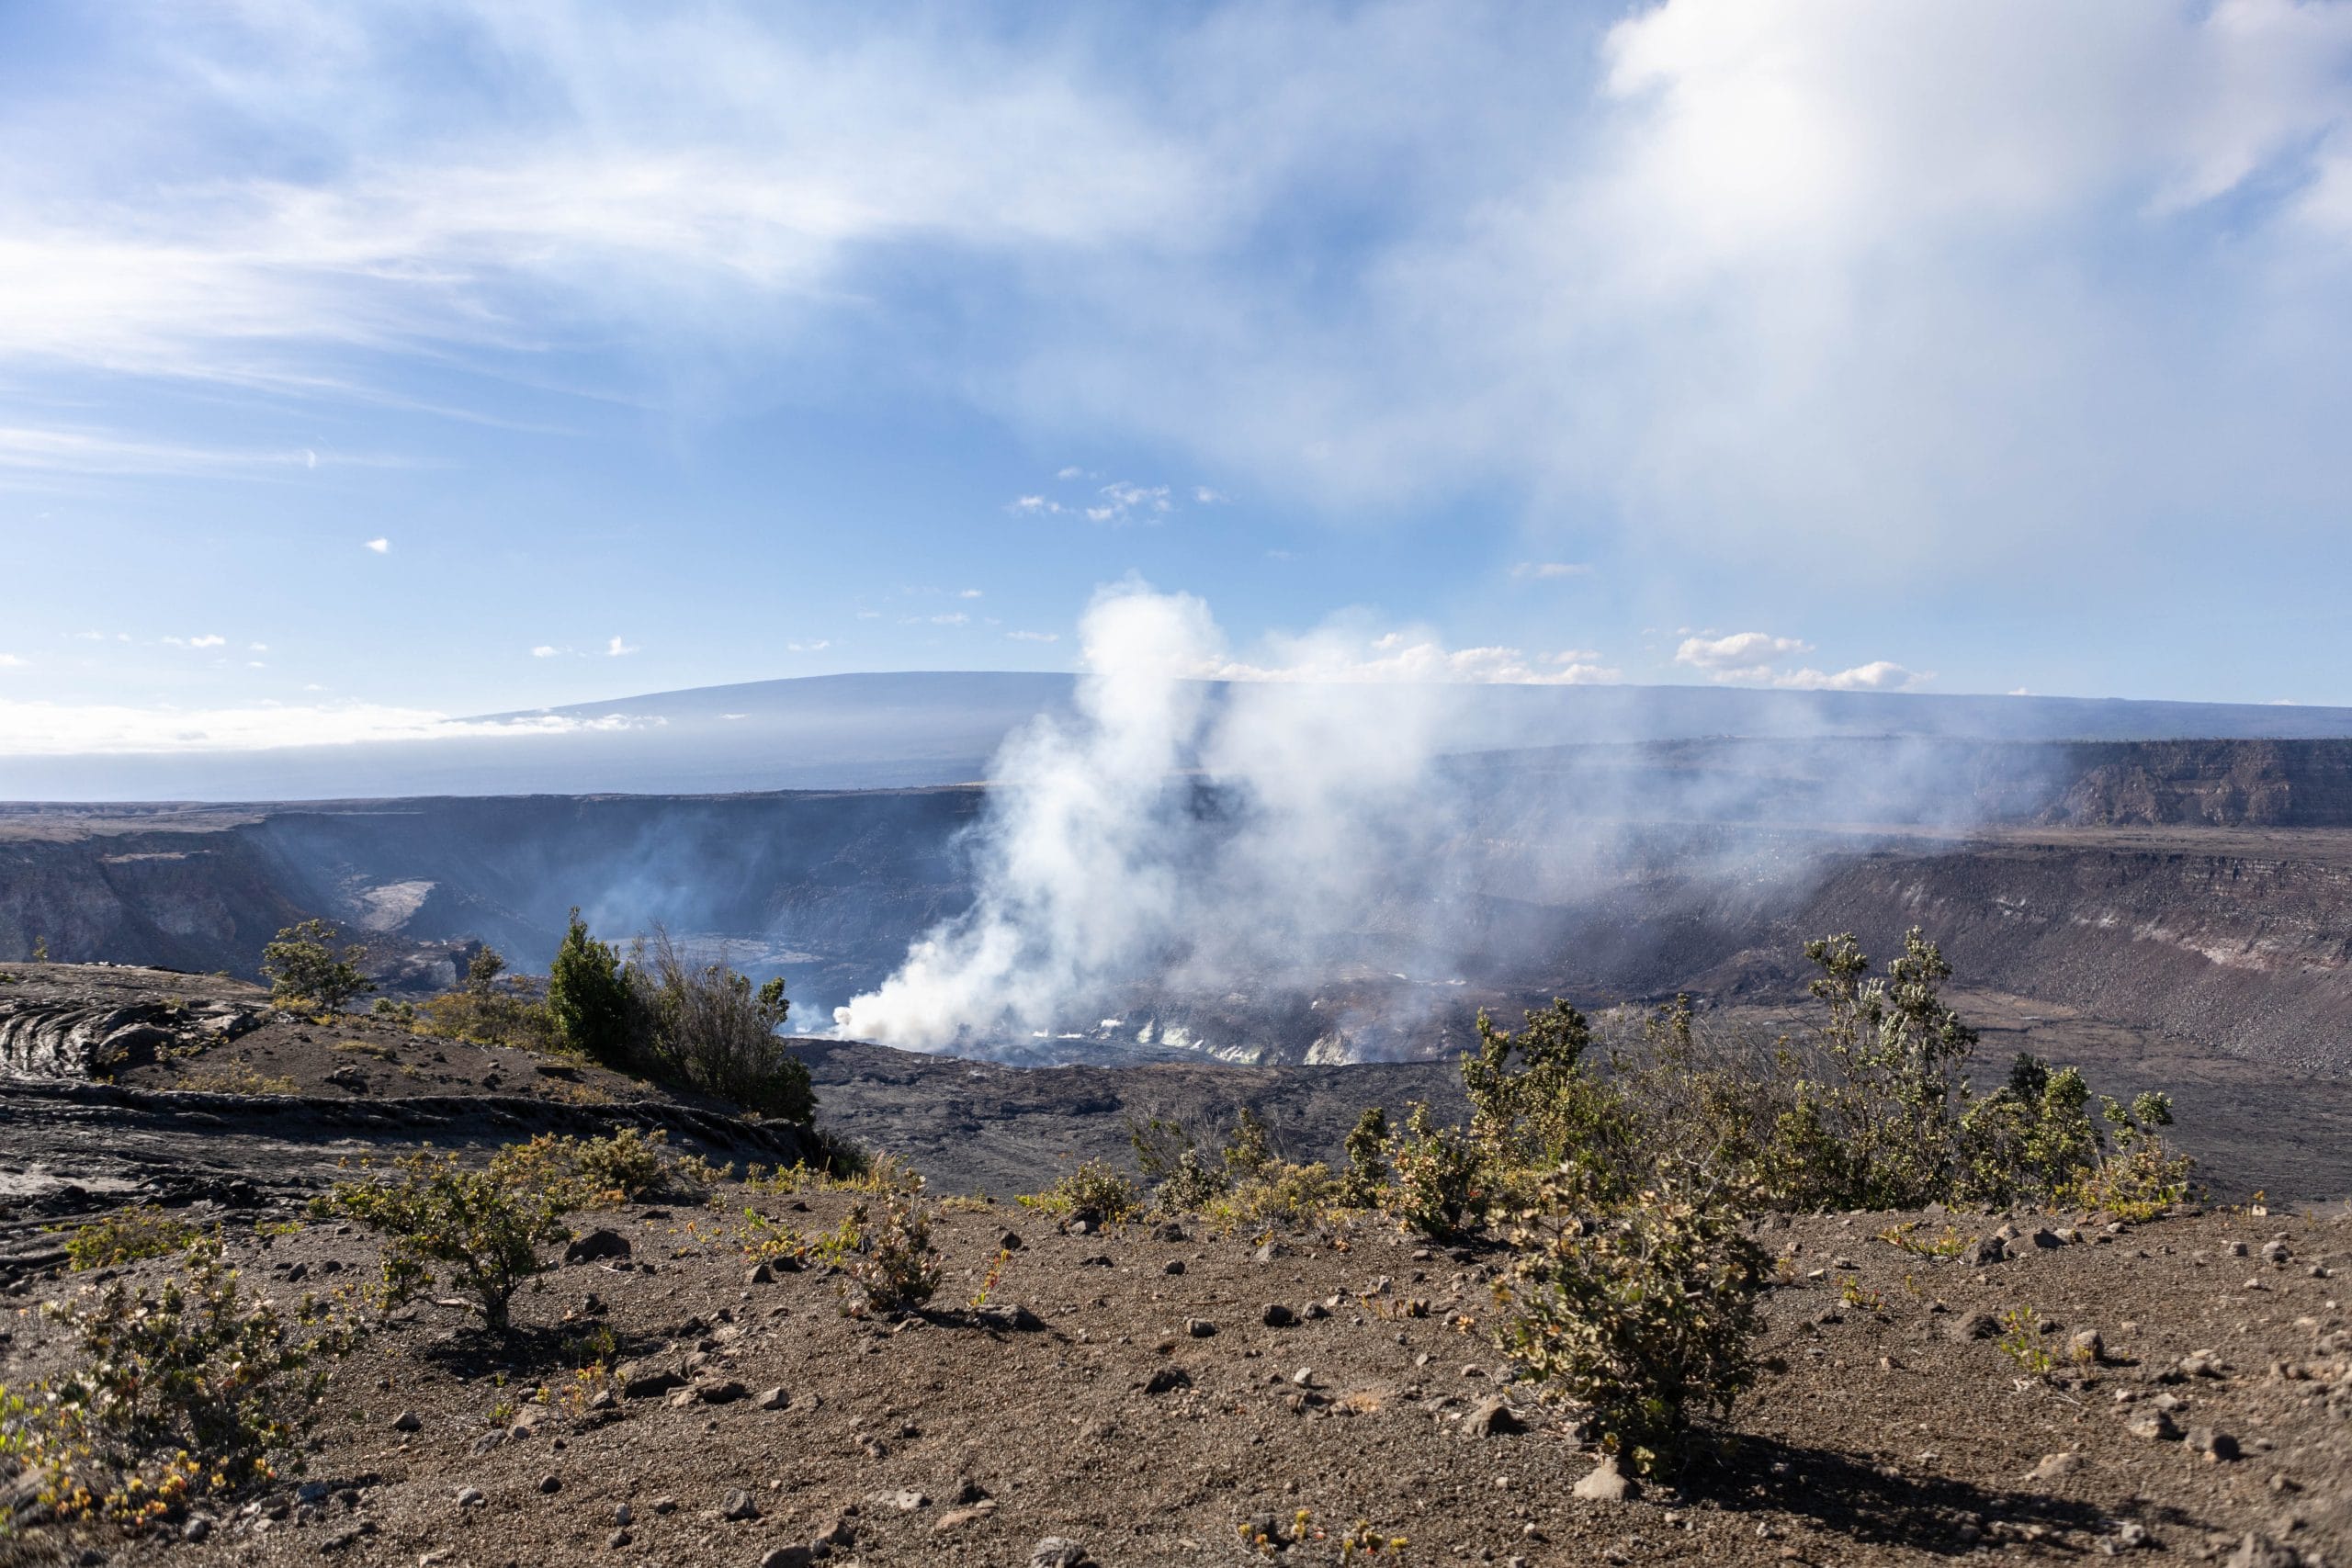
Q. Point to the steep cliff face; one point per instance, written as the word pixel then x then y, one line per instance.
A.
pixel 2244 943
pixel 2221 783
pixel 198 900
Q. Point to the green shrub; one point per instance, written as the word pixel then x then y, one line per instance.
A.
pixel 1091 1190
pixel 468 1230
pixel 172 1395
pixel 1638 1311
pixel 1437 1176
pixel 599 1172
pixel 304 966
pixel 1365 1184
pixel 126 1236
pixel 1281 1194
pixel 590 1001
pixel 895 1267
pixel 509 1016
pixel 1183 1177
pixel 2140 1177
pixel 707 1027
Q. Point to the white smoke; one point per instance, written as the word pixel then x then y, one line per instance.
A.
pixel 1175 830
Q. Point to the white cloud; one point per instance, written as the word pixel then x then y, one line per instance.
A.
pixel 13 661
pixel 52 730
pixel 1070 473
pixel 1879 675
pixel 949 618
pixel 1550 568
pixel 257 647
pixel 208 640
pixel 970 594
pixel 381 547
pixel 1741 656
pixel 1034 637
pixel 1754 657
pixel 1204 496
pixel 1341 657
pixel 817 647
pixel 548 650
pixel 617 648
pixel 27 451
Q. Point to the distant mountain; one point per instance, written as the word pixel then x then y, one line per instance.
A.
pixel 893 730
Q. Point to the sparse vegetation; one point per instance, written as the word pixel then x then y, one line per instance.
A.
pixel 306 968
pixel 894 1267
pixel 236 1078
pixel 172 1395
pixel 598 1172
pixel 590 1001
pixel 1637 1312
pixel 706 1026
pixel 126 1236
pixel 467 1229
pixel 1090 1191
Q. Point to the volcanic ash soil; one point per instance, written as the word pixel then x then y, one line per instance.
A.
pixel 1149 1397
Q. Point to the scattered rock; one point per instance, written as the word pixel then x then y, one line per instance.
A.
pixel 1280 1316
pixel 2154 1426
pixel 1973 1326
pixel 1199 1327
pixel 737 1507
pixel 1606 1483
pixel 651 1384
pixel 788 1557
pixel 551 1484
pixel 1987 1250
pixel 956 1518
pixel 2215 1444
pixel 2056 1467
pixel 1167 1379
pixel 1268 1250
pixel 775 1399
pixel 622 1515
pixel 2257 1550
pixel 759 1274
pixel 2087 1344
pixel 1173 1265
pixel 597 1245
pixel 469 1498
pixel 1493 1417
pixel 407 1421
pixel 1056 1553
pixel 720 1391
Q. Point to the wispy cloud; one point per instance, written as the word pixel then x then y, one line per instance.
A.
pixel 51 729
pixel 28 450
pixel 617 649
pixel 13 661
pixel 1755 658
pixel 1034 637
pixel 1550 568
pixel 548 650
pixel 817 646
pixel 381 547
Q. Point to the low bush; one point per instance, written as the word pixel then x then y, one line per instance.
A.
pixel 1438 1169
pixel 1091 1190
pixel 1637 1311
pixel 706 1026
pixel 600 1172
pixel 305 966
pixel 894 1267
pixel 193 1390
pixel 467 1230
pixel 128 1236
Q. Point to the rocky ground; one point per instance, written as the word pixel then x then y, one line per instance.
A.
pixel 1152 1397
pixel 1157 1397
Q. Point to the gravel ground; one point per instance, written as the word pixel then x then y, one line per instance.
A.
pixel 1878 1433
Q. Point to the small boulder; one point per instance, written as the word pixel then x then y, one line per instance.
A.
pixel 596 1246
pixel 2217 1446
pixel 775 1399
pixel 1199 1327
pixel 1987 1250
pixel 1054 1551
pixel 407 1421
pixel 1278 1317
pixel 737 1507
pixel 788 1557
pixel 2154 1426
pixel 1493 1417
pixel 2056 1467
pixel 1973 1326
pixel 652 1384
pixel 2087 1344
pixel 1606 1483
pixel 720 1391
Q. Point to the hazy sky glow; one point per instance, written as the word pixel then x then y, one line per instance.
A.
pixel 371 362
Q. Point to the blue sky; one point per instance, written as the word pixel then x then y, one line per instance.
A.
pixel 360 364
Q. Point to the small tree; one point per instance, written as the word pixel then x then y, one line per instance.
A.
pixel 304 966
pixel 1367 1152
pixel 479 1234
pixel 590 998
pixel 706 1026
pixel 483 973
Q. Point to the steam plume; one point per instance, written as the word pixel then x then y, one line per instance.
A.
pixel 1175 830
